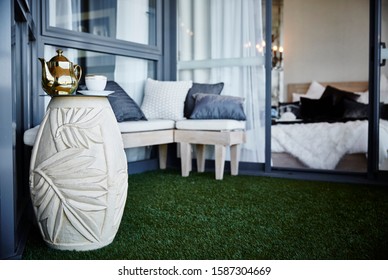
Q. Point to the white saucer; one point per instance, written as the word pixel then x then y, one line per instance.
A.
pixel 96 92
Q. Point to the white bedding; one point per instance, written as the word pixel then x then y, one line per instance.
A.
pixel 322 145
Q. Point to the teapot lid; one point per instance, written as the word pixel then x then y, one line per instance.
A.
pixel 59 57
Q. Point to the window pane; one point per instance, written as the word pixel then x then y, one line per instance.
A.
pixel 130 73
pixel 129 20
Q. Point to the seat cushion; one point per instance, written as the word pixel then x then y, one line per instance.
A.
pixel 151 124
pixel 212 125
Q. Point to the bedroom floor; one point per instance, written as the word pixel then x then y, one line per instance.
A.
pixel 349 163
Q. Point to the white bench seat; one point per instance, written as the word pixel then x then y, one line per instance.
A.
pixel 149 133
pixel 220 133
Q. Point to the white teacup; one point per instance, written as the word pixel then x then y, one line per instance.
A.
pixel 95 82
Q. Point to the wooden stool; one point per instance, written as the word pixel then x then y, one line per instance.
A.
pixel 220 133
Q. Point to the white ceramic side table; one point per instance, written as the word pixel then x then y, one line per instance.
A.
pixel 78 174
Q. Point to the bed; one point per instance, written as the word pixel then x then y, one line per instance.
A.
pixel 305 140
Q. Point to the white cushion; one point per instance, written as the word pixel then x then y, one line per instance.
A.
pixel 214 125
pixel 165 100
pixel 29 136
pixel 315 90
pixel 138 126
pixel 364 97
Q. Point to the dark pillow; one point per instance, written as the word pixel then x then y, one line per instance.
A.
pixel 384 111
pixel 316 109
pixel 212 106
pixel 293 107
pixel 355 110
pixel 123 106
pixel 200 88
pixel 336 97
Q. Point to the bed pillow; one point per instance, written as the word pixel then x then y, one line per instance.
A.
pixel 363 97
pixel 355 110
pixel 337 97
pixel 296 96
pixel 316 109
pixel 200 88
pixel 123 106
pixel 384 111
pixel 212 106
pixel 293 107
pixel 315 90
pixel 165 99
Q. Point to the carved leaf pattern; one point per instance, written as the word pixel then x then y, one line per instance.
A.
pixel 67 186
pixel 120 180
pixel 74 126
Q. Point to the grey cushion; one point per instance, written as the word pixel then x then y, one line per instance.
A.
pixel 123 106
pixel 200 88
pixel 211 106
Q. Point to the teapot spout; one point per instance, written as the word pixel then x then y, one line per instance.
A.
pixel 46 75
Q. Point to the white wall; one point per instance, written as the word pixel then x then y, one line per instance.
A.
pixel 326 40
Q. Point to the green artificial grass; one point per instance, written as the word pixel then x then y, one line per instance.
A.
pixel 242 217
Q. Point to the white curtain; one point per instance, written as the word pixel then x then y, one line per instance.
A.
pixel 133 21
pixel 65 14
pixel 221 41
pixel 131 73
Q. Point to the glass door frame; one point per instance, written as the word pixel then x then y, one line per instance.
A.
pixel 374 87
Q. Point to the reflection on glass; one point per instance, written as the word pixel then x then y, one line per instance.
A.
pixel 212 48
pixel 129 20
pixel 130 73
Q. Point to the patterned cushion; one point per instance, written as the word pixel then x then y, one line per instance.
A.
pixel 165 100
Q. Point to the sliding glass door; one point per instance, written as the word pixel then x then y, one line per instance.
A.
pixel 320 54
pixel 221 41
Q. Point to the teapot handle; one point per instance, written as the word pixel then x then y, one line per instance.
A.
pixel 78 71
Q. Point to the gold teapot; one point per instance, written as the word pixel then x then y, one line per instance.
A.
pixel 59 75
